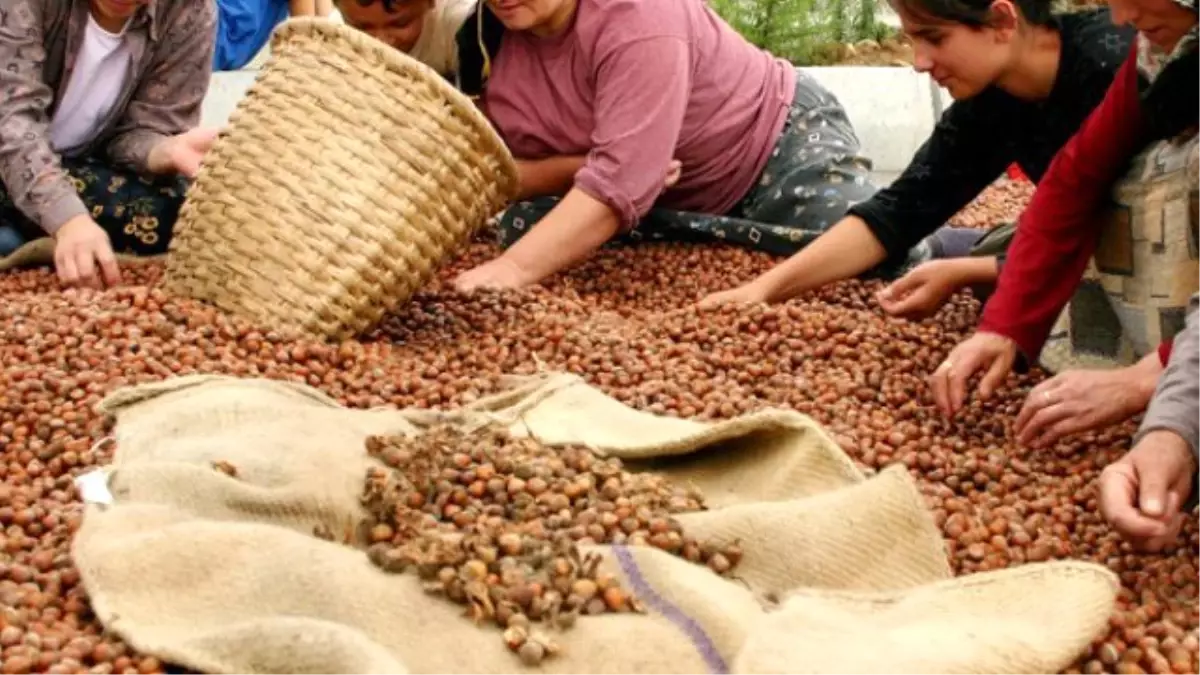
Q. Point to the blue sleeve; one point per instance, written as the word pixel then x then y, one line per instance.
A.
pixel 243 29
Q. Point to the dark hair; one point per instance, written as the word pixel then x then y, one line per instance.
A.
pixel 976 13
pixel 1170 104
pixel 478 42
pixel 389 5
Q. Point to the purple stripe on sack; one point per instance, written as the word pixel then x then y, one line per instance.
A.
pixel 645 593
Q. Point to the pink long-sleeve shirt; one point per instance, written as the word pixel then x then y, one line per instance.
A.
pixel 635 83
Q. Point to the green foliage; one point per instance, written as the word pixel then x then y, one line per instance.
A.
pixel 802 30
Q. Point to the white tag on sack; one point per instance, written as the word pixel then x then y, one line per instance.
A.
pixel 93 487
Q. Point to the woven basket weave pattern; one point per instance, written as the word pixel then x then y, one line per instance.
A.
pixel 349 172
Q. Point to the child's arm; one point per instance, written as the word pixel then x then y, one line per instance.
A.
pixel 302 7
pixel 324 8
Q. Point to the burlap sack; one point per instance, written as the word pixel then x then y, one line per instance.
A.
pixel 223 575
pixel 1135 291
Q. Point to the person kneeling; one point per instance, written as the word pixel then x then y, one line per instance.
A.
pixel 597 99
pixel 96 143
pixel 1146 494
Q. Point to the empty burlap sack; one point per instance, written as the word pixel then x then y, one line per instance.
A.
pixel 1135 290
pixel 222 574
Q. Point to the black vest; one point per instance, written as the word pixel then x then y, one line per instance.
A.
pixel 471 62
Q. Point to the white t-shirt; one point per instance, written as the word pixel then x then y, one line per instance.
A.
pixel 436 47
pixel 101 70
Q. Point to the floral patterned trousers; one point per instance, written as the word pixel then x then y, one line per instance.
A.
pixel 815 173
pixel 137 212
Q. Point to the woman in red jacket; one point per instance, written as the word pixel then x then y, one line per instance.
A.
pixel 1153 98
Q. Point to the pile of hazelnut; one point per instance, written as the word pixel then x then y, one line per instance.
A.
pixel 495 522
pixel 625 321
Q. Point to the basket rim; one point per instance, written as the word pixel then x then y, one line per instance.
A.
pixel 402 63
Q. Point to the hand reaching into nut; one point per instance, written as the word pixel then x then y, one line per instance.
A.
pixel 83 254
pixel 1076 401
pixel 987 353
pixel 500 273
pixel 1142 493
pixel 746 294
pixel 922 292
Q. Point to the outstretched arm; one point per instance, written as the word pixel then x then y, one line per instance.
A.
pixel 549 177
pixel 302 7
pixel 641 94
pixel 965 153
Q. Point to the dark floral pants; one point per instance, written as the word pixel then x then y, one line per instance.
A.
pixel 814 175
pixel 138 212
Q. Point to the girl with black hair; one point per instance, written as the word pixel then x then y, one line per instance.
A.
pixel 1023 80
pixel 1151 102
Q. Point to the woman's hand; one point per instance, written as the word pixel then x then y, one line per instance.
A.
pixel 988 352
pixel 183 153
pixel 674 173
pixel 923 291
pixel 498 273
pixel 80 247
pixel 749 293
pixel 1141 494
pixel 1082 400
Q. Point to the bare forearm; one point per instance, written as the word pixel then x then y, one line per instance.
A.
pixel 846 250
pixel 302 7
pixel 549 177
pixel 983 270
pixel 579 225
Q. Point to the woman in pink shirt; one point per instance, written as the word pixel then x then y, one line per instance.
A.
pixel 596 98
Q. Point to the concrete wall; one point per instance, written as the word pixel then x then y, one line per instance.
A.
pixel 893 110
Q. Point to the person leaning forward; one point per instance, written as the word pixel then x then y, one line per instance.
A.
pixel 98 125
pixel 1141 493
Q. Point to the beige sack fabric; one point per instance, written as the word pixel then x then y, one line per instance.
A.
pixel 1136 288
pixel 223 575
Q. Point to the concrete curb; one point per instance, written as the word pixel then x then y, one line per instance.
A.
pixel 893 109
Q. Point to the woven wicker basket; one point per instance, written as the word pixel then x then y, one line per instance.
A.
pixel 348 173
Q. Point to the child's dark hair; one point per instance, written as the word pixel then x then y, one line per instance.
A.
pixel 976 13
pixel 389 5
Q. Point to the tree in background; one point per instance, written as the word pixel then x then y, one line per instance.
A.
pixel 804 32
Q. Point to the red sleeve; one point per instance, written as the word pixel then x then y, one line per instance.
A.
pixel 1164 351
pixel 1057 233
